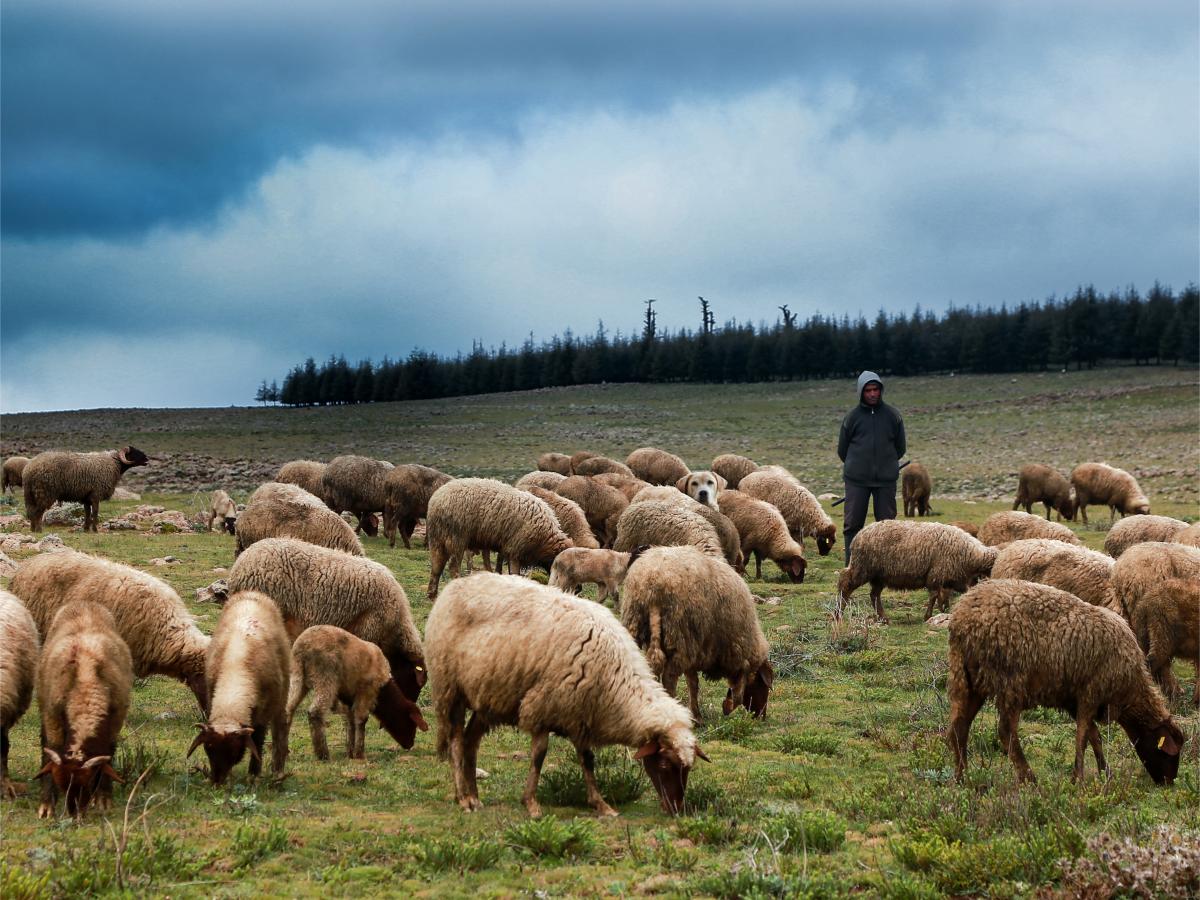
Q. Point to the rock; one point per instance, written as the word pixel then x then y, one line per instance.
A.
pixel 482 773
pixel 67 514
pixel 209 594
pixel 164 561
pixel 51 543
pixel 827 496
pixel 941 620
pixel 7 565
pixel 772 601
pixel 13 520
pixel 125 494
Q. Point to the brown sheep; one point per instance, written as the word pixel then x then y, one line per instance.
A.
pixel 570 517
pixel 355 483
pixel 1104 485
pixel 656 466
pixel 554 462
pixel 222 512
pixel 1138 529
pixel 1037 483
pixel 406 492
pixel 733 468
pixel 13 467
pixel 763 532
pixel 801 510
pixel 601 503
pixel 915 487
pixel 19 646
pixel 1190 536
pixel 596 465
pixel 624 483
pixel 305 473
pixel 1011 525
pixel 85 478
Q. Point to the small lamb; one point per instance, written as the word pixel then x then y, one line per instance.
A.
pixel 606 569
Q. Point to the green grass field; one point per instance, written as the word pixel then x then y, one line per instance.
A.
pixel 845 788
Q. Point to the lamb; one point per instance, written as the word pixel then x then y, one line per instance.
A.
pixel 554 462
pixel 731 542
pixel 606 569
pixel 248 665
pixel 406 493
pixel 1166 623
pixel 916 486
pixel 287 510
pixel 1002 527
pixel 570 517
pixel 626 484
pixel 1107 486
pixel 340 669
pixel 305 473
pixel 1030 645
pixel 150 617
pixel 1138 529
pixel 601 504
pixel 1077 570
pixel 659 524
pixel 691 614
pixel 595 465
pixel 656 466
pixel 763 532
pixel 355 483
pixel 482 514
pixel 733 468
pixel 13 467
pixel 1190 536
pixel 703 487
pixel 1038 483
pixel 223 511
pixel 84 679
pixel 801 510
pixel 910 555
pixel 85 478
pixel 517 653
pixel 547 480
pixel 314 585
pixel 18 671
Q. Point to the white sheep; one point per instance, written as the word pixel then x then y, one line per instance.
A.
pixel 1098 483
pixel 356 484
pixel 222 512
pixel 1138 529
pixel 577 566
pixel 727 532
pixel 658 523
pixel 280 510
pixel 1013 525
pixel 1085 573
pixel 733 468
pixel 800 509
pixel 19 647
pixel 87 478
pixel 763 532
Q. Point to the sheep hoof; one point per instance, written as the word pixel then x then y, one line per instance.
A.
pixel 534 809
pixel 45 811
pixel 604 811
pixel 470 804
pixel 11 790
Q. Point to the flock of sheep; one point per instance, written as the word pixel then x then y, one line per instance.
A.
pixel 1042 621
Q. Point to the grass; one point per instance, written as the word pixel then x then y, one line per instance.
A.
pixel 844 788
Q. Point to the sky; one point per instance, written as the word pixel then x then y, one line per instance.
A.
pixel 196 196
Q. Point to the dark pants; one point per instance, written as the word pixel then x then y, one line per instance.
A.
pixel 858 496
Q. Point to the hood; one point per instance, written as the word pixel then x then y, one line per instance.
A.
pixel 862 383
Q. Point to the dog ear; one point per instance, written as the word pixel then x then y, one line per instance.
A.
pixel 721 482
pixel 681 484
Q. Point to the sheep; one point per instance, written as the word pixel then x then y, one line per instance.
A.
pixel 578 457
pixel 287 510
pixel 1166 623
pixel 656 466
pixel 406 493
pixel 626 484
pixel 1190 536
pixel 703 487
pixel 602 504
pixel 693 615
pixel 1078 570
pixel 915 487
pixel 595 465
pixel 341 669
pixel 1145 565
pixel 13 467
pixel 248 666
pixel 1038 483
pixel 1029 645
pixel 559 463
pixel 518 653
pixel 18 671
pixel 660 524
pixel 355 483
pixel 606 569
pixel 910 555
pixel 305 473
pixel 85 478
pixel 801 510
pixel 969 527
pixel 763 532
pixel 84 679
pixel 482 514
pixel 547 480
pixel 727 532
pixel 1013 525
pixel 314 585
pixel 222 511
pixel 150 617
pixel 1138 529
pixel 733 468
pixel 1107 486
pixel 570 517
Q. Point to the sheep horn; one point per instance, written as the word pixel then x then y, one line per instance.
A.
pixel 197 742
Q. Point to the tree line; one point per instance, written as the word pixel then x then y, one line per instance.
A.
pixel 1082 330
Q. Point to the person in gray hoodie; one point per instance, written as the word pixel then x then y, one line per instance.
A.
pixel 870 446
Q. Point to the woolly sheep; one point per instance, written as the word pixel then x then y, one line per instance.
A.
pixel 703 487
pixel 1028 645
pixel 248 665
pixel 287 510
pixel 222 512
pixel 801 510
pixel 1011 525
pixel 547 480
pixel 733 468
pixel 1190 536
pixel 314 585
pixel 1037 483
pixel 406 493
pixel 626 484
pixel 915 487
pixel 656 466
pixel 659 524
pixel 1077 570
pixel 596 465
pixel 1097 483
pixel 355 484
pixel 150 617
pixel 910 555
pixel 482 514
pixel 727 532
pixel 13 467
pixel 1166 623
pixel 606 569
pixel 517 653
pixel 18 671
pixel 1138 529
pixel 601 504
pixel 84 679
pixel 342 670
pixel 1145 565
pixel 554 462
pixel 969 527
pixel 306 473
pixel 570 517
pixel 763 532
pixel 578 457
pixel 85 478
pixel 693 615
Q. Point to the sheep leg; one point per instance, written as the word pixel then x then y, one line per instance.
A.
pixel 670 681
pixel 357 716
pixel 537 756
pixel 1094 739
pixel 437 563
pixel 321 702
pixel 693 683
pixel 7 788
pixel 758 565
pixel 964 707
pixel 474 733
pixel 877 601
pixel 587 759
pixel 933 597
pixel 279 743
pixel 601 591
pixel 47 808
pixel 1083 732
pixel 1009 720
pixel 454 722
pixel 259 737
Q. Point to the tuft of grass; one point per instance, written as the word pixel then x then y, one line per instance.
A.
pixel 454 854
pixel 809 742
pixel 136 756
pixel 738 728
pixel 19 884
pixel 621 780
pixel 811 831
pixel 881 659
pixel 708 829
pixel 548 838
pixel 252 844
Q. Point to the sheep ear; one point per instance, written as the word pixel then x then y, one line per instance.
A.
pixel 647 749
pixel 682 482
pixel 767 674
pixel 123 455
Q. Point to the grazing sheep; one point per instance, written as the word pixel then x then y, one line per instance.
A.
pixel 1166 623
pixel 606 569
pixel 1012 525
pixel 596 465
pixel 1190 536
pixel 554 462
pixel 969 527
pixel 1077 570
pixel 150 617
pixel 1138 529
pixel 911 555
pixel 287 510
pixel 1097 483
pixel 693 615
pixel 731 541
pixel 340 669
pixel 406 493
pixel 83 682
pixel 915 487
pixel 18 671
pixel 249 661
pixel 602 504
pixel 547 480
pixel 314 585
pixel 733 468
pixel 703 487
pixel 578 457
pixel 482 514
pixel 305 473
pixel 801 510
pixel 626 484
pixel 517 653
pixel 1037 483
pixel 763 532
pixel 85 478
pixel 570 517
pixel 13 467
pixel 656 466
pixel 1145 565
pixel 659 524
pixel 222 512
pixel 1028 645
pixel 355 484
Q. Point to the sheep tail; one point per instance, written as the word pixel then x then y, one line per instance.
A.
pixel 654 654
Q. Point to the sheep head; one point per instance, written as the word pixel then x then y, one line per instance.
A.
pixel 409 675
pixel 1158 748
pixel 793 567
pixel 826 538
pixel 397 715
pixel 77 777
pixel 755 693
pixel 224 749
pixel 231 524
pixel 369 523
pixel 668 768
pixel 129 457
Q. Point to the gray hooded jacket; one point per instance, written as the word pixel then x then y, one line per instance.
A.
pixel 872 440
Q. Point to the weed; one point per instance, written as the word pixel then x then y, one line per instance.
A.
pixel 238 803
pixel 809 742
pixel 436 855
pixel 548 838
pixel 882 659
pixel 621 780
pixel 18 884
pixel 252 844
pixel 738 728
pixel 850 632
pixel 715 830
pixel 710 797
pixel 135 757
pixel 810 831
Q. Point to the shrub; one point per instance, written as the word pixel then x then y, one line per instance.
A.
pixel 737 728
pixel 548 838
pixel 18 884
pixel 135 757
pixel 1168 865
